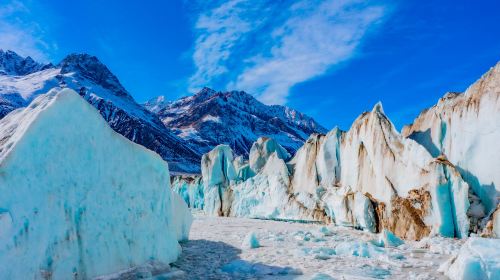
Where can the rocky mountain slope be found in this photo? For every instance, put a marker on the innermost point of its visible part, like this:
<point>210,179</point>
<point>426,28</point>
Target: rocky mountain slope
<point>22,79</point>
<point>235,118</point>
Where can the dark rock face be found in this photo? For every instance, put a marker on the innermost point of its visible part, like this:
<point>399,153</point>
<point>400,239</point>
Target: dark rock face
<point>90,68</point>
<point>235,118</point>
<point>13,64</point>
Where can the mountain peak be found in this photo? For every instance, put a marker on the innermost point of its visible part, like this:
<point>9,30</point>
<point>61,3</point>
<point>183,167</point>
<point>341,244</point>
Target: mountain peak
<point>92,68</point>
<point>12,63</point>
<point>206,91</point>
<point>156,104</point>
<point>378,108</point>
<point>235,118</point>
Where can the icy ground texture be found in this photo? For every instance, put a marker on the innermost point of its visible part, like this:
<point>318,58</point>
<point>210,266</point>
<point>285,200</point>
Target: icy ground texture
<point>79,200</point>
<point>304,251</point>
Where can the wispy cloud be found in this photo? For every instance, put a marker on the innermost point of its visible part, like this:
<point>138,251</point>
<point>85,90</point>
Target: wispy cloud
<point>267,47</point>
<point>20,35</point>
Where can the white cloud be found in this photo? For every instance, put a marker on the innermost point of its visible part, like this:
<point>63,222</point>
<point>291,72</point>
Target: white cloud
<point>271,47</point>
<point>21,36</point>
<point>218,30</point>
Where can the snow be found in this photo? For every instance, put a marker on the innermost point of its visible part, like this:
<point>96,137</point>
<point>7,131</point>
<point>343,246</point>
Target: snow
<point>370,177</point>
<point>342,177</point>
<point>93,80</point>
<point>210,118</point>
<point>86,198</point>
<point>479,258</point>
<point>234,118</point>
<point>327,253</point>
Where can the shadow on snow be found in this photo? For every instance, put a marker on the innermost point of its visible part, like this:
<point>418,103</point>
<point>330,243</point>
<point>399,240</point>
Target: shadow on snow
<point>204,259</point>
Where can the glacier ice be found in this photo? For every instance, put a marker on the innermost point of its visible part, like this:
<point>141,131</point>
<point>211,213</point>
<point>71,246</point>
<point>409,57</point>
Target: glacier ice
<point>372,177</point>
<point>464,127</point>
<point>388,239</point>
<point>262,149</point>
<point>479,258</point>
<point>80,200</point>
<point>189,188</point>
<point>266,195</point>
<point>251,241</point>
<point>218,173</point>
<point>363,212</point>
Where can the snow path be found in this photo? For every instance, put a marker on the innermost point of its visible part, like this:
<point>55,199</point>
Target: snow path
<point>303,251</point>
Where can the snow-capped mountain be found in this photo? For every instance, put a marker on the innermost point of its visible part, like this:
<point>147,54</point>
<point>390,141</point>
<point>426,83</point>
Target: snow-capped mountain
<point>13,64</point>
<point>235,118</point>
<point>23,80</point>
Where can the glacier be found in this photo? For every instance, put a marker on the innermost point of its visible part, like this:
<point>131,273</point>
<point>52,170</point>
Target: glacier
<point>465,128</point>
<point>78,199</point>
<point>371,177</point>
<point>479,258</point>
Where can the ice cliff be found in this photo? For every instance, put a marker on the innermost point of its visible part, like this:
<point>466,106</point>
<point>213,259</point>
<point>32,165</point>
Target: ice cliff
<point>437,177</point>
<point>78,199</point>
<point>466,128</point>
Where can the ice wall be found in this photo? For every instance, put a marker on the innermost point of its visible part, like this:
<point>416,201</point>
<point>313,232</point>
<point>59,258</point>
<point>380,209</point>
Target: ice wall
<point>431,179</point>
<point>190,189</point>
<point>79,200</point>
<point>218,174</point>
<point>465,128</point>
<point>262,149</point>
<point>478,259</point>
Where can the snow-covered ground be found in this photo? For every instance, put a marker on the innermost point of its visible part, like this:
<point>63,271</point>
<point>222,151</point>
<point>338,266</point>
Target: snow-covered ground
<point>222,248</point>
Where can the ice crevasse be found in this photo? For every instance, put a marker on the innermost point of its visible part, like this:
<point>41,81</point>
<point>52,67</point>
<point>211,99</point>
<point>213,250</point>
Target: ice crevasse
<point>78,198</point>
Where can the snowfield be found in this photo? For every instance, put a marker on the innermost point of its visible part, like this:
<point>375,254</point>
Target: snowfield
<point>220,248</point>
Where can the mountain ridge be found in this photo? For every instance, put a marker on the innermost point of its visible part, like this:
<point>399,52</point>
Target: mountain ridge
<point>235,118</point>
<point>22,79</point>
<point>101,88</point>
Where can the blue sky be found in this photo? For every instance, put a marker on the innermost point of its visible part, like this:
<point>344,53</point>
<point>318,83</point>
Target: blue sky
<point>331,59</point>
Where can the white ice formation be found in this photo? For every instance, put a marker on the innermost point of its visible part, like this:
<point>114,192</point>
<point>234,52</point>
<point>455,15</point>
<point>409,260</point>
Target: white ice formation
<point>78,198</point>
<point>438,177</point>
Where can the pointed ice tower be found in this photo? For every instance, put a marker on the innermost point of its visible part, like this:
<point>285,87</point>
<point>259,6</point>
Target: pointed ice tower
<point>413,194</point>
<point>79,200</point>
